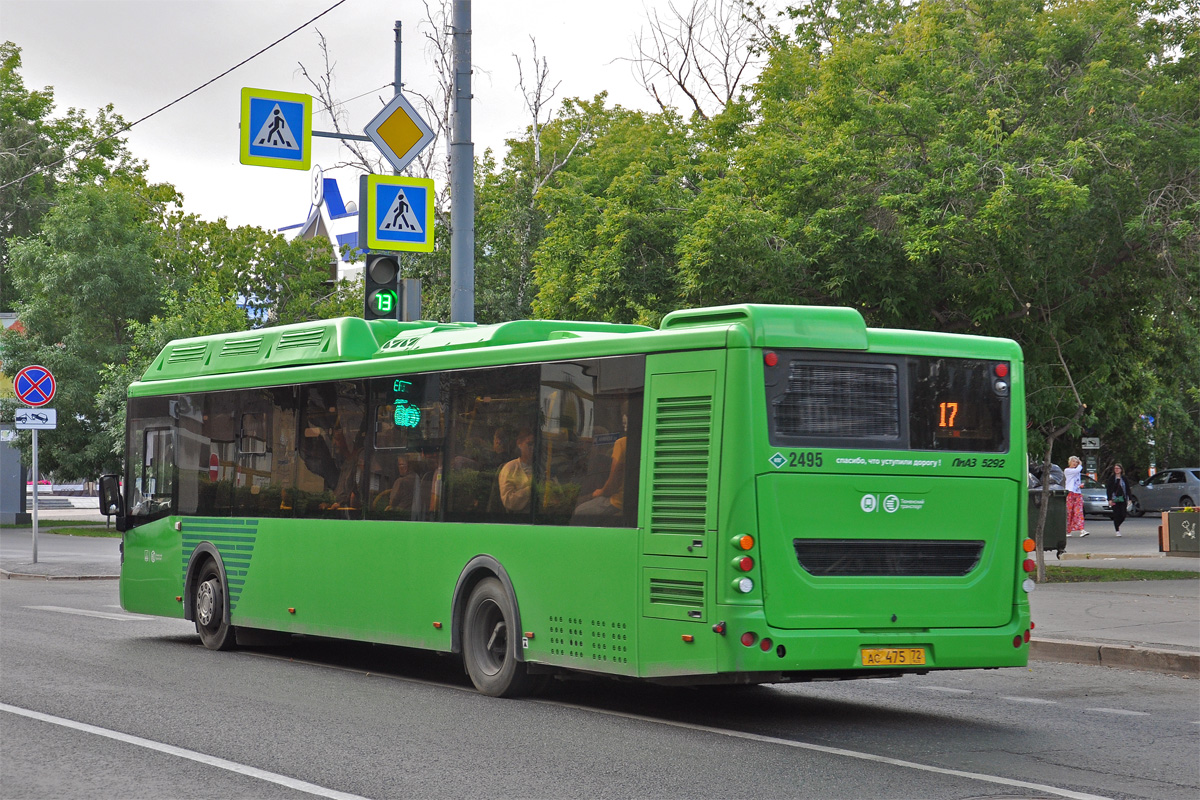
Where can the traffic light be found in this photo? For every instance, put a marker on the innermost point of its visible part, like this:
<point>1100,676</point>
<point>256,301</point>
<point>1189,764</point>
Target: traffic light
<point>383,288</point>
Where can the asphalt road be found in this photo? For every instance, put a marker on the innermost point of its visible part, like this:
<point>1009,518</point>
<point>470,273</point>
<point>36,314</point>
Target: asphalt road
<point>318,718</point>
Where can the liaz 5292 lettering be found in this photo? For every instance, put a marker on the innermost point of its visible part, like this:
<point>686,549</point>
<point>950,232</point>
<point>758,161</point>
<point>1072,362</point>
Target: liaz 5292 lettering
<point>746,494</point>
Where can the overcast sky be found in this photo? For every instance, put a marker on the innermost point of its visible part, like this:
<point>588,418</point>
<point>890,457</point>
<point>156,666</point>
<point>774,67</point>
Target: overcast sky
<point>141,55</point>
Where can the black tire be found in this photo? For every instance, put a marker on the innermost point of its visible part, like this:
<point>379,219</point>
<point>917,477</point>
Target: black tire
<point>1186,501</point>
<point>490,643</point>
<point>211,607</point>
<point>1135,507</point>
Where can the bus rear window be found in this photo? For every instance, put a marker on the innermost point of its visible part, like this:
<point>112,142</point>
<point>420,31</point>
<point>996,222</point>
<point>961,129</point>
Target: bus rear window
<point>887,402</point>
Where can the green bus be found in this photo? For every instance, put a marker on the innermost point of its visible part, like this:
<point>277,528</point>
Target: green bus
<point>748,494</point>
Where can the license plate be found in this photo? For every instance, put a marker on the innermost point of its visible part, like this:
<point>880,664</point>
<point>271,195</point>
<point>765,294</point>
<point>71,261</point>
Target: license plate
<point>893,656</point>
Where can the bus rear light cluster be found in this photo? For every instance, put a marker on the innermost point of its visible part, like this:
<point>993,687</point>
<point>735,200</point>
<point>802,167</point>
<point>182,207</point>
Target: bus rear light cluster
<point>1028,545</point>
<point>745,541</point>
<point>1029,565</point>
<point>765,645</point>
<point>1023,638</point>
<point>743,585</point>
<point>1028,585</point>
<point>745,563</point>
<point>749,638</point>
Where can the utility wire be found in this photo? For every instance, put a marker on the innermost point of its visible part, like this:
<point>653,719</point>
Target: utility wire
<point>89,148</point>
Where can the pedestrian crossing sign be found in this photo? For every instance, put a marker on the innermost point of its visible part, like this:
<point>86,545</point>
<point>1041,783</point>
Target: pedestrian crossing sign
<point>396,213</point>
<point>276,129</point>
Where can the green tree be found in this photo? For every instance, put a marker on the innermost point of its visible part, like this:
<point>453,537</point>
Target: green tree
<point>38,153</point>
<point>79,281</point>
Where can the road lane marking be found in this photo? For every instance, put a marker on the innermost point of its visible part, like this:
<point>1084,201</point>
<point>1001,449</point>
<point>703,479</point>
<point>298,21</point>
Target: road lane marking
<point>192,755</point>
<point>945,689</point>
<point>85,613</point>
<point>1037,700</point>
<point>1119,711</point>
<point>838,751</point>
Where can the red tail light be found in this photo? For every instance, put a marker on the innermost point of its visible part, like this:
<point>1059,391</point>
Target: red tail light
<point>766,645</point>
<point>749,638</point>
<point>1029,564</point>
<point>745,563</point>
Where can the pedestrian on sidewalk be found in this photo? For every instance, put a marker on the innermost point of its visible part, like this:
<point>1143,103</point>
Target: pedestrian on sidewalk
<point>1073,474</point>
<point>1118,495</point>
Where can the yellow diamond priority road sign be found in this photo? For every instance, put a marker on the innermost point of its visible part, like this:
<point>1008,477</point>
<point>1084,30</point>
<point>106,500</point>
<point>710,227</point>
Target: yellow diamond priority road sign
<point>399,132</point>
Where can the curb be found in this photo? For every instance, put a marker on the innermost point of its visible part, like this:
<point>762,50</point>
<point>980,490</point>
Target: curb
<point>27,576</point>
<point>1171,662</point>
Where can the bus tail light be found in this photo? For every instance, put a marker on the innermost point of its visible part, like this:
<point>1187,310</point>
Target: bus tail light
<point>743,585</point>
<point>765,645</point>
<point>1017,640</point>
<point>770,359</point>
<point>745,541</point>
<point>1028,545</point>
<point>745,563</point>
<point>749,638</point>
<point>1029,565</point>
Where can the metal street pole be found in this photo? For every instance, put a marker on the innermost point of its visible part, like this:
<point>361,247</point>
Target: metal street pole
<point>35,494</point>
<point>397,83</point>
<point>462,174</point>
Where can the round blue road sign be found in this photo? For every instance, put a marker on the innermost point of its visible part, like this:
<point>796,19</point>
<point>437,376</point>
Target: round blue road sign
<point>34,386</point>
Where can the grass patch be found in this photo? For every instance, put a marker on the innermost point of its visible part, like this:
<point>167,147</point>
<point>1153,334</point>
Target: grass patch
<point>100,533</point>
<point>1060,574</point>
<point>56,523</point>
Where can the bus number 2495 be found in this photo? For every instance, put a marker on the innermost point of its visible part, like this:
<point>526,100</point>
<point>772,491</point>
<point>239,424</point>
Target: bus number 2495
<point>804,459</point>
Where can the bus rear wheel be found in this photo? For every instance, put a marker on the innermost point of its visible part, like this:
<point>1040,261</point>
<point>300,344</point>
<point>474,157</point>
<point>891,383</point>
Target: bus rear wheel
<point>212,621</point>
<point>490,643</point>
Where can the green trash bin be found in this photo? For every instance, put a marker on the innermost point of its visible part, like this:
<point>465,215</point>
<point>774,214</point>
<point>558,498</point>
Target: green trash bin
<point>1054,537</point>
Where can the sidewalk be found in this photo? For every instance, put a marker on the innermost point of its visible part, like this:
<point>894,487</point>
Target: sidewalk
<point>1146,625</point>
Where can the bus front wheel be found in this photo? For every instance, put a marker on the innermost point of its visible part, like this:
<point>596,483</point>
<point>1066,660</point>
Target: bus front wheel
<point>490,643</point>
<point>212,621</point>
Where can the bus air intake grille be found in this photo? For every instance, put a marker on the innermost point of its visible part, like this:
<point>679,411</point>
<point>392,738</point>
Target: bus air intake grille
<point>241,347</point>
<point>880,557</point>
<point>308,337</point>
<point>682,440</point>
<point>840,400</point>
<point>677,593</point>
<point>182,354</point>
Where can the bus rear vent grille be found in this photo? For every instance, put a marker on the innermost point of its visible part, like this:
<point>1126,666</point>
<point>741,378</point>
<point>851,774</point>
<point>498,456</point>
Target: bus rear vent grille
<point>308,337</point>
<point>842,400</point>
<point>887,557</point>
<point>682,438</point>
<point>677,593</point>
<point>184,353</point>
<point>241,347</point>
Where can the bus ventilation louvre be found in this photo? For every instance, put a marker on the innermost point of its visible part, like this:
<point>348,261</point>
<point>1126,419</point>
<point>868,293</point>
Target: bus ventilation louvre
<point>878,557</point>
<point>683,430</point>
<point>840,400</point>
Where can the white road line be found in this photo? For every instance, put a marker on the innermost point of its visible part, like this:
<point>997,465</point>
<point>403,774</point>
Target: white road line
<point>212,761</point>
<point>837,751</point>
<point>1120,711</point>
<point>1036,700</point>
<point>85,613</point>
<point>945,689</point>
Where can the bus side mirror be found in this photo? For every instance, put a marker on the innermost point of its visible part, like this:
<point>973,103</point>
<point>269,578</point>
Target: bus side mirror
<point>110,496</point>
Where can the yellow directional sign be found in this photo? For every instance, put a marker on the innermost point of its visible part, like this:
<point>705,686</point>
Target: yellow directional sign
<point>399,132</point>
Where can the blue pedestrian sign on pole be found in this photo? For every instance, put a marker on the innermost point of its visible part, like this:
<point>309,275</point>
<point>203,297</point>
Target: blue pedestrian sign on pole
<point>276,129</point>
<point>396,213</point>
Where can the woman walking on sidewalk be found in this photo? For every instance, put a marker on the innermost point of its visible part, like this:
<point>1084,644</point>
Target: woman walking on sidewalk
<point>1118,495</point>
<point>1073,473</point>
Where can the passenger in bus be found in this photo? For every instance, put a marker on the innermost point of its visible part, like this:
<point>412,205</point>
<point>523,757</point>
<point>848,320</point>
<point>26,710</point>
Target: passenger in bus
<point>516,477</point>
<point>609,499</point>
<point>405,492</point>
<point>501,450</point>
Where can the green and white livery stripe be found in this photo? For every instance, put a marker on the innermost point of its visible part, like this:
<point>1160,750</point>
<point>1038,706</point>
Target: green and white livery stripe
<point>234,540</point>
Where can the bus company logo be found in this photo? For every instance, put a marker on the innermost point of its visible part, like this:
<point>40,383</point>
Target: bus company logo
<point>151,556</point>
<point>891,504</point>
<point>869,503</point>
<point>778,460</point>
